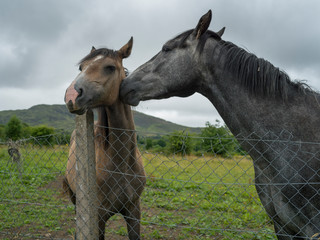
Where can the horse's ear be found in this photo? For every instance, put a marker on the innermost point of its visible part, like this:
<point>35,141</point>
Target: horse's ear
<point>125,51</point>
<point>203,25</point>
<point>220,33</point>
<point>92,49</point>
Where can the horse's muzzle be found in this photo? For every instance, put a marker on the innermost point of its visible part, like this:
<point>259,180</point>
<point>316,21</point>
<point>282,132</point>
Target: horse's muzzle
<point>71,97</point>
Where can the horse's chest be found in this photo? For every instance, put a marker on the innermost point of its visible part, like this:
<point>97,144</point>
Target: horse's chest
<point>117,185</point>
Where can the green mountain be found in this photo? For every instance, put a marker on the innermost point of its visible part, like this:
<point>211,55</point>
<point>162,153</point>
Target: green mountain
<point>58,116</point>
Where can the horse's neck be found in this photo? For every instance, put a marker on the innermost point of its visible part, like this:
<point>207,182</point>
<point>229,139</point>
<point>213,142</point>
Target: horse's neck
<point>120,116</point>
<point>118,137</point>
<point>231,107</point>
<point>246,113</point>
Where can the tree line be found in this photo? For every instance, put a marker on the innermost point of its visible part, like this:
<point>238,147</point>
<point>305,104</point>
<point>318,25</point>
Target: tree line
<point>15,130</point>
<point>213,139</point>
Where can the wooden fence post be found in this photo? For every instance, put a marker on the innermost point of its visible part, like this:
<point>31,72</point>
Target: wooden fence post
<point>86,201</point>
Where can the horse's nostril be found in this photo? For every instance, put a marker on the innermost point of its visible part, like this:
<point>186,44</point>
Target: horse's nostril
<point>80,92</point>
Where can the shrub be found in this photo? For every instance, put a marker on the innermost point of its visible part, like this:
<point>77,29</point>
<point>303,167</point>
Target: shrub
<point>217,139</point>
<point>180,143</point>
<point>43,135</point>
<point>13,129</point>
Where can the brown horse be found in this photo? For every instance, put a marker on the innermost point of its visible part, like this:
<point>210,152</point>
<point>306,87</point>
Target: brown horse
<point>119,169</point>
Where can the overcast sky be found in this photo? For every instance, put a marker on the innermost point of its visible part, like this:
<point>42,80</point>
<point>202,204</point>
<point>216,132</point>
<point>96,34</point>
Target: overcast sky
<point>41,42</point>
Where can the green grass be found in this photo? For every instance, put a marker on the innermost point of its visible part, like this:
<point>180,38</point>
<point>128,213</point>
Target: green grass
<point>185,198</point>
<point>28,202</point>
<point>204,198</point>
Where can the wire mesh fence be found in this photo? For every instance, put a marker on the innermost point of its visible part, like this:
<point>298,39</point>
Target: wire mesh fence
<point>207,192</point>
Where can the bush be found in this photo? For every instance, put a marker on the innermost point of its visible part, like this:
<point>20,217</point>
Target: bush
<point>149,143</point>
<point>2,133</point>
<point>180,143</point>
<point>62,138</point>
<point>43,135</point>
<point>217,139</point>
<point>13,129</point>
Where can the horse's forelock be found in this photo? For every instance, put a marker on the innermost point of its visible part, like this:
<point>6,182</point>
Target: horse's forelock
<point>102,51</point>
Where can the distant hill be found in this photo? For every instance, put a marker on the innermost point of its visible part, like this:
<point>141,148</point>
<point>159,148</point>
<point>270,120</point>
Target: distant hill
<point>58,116</point>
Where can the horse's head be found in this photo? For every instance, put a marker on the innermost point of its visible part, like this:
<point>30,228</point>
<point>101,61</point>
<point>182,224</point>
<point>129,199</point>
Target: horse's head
<point>98,82</point>
<point>174,71</point>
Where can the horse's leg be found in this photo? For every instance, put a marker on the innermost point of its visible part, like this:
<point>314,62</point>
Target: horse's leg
<point>103,218</point>
<point>67,189</point>
<point>132,215</point>
<point>282,234</point>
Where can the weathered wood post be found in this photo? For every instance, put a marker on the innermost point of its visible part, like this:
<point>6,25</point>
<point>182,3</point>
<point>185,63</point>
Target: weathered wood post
<point>86,203</point>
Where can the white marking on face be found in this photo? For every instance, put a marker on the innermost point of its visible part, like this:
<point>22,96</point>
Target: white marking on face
<point>92,61</point>
<point>97,58</point>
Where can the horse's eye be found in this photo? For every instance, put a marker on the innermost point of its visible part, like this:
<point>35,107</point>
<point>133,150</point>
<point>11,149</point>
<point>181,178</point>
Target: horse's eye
<point>166,48</point>
<point>80,68</point>
<point>109,69</point>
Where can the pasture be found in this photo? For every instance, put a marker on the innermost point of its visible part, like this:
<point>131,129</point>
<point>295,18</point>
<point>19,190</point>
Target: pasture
<point>186,197</point>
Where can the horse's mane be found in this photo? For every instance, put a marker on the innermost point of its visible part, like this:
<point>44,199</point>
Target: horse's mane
<point>258,75</point>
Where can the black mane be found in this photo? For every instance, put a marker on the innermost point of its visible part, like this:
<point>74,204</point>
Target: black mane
<point>258,75</point>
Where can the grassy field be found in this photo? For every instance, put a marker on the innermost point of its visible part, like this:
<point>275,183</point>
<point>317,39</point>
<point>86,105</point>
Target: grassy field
<point>185,198</point>
<point>30,199</point>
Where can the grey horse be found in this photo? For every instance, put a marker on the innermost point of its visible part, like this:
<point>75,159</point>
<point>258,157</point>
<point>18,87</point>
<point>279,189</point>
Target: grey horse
<point>275,119</point>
